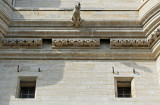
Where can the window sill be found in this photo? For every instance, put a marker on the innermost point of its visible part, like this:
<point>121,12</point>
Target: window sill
<point>24,99</point>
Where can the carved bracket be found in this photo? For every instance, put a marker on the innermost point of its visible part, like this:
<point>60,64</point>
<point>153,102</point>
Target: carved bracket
<point>75,43</point>
<point>21,43</point>
<point>135,43</point>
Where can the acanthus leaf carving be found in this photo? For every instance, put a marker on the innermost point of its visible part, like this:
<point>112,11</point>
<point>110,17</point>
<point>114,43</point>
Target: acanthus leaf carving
<point>21,43</point>
<point>75,43</point>
<point>126,42</point>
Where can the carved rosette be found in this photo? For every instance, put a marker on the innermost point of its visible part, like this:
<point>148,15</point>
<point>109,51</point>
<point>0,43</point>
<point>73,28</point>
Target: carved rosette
<point>75,43</point>
<point>21,43</point>
<point>135,43</point>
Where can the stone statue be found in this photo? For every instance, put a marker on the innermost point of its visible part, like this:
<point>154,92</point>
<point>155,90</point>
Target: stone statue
<point>76,18</point>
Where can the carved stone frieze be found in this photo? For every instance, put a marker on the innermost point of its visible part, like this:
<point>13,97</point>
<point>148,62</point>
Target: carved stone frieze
<point>75,43</point>
<point>129,43</point>
<point>21,43</point>
<point>137,43</point>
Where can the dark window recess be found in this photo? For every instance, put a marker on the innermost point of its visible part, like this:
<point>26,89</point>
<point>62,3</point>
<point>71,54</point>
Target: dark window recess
<point>27,89</point>
<point>124,89</point>
<point>124,92</point>
<point>27,92</point>
<point>47,43</point>
<point>105,41</point>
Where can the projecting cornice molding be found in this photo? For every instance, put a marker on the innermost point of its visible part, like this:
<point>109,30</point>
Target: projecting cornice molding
<point>130,33</point>
<point>75,43</point>
<point>20,43</point>
<point>136,43</point>
<point>147,21</point>
<point>149,10</point>
<point>5,17</point>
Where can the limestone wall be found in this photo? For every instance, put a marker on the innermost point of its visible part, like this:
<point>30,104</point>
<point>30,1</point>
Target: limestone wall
<point>158,67</point>
<point>87,4</point>
<point>71,82</point>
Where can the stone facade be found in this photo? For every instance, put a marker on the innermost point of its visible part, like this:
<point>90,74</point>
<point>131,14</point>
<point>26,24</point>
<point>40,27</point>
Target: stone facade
<point>78,82</point>
<point>136,43</point>
<point>77,51</point>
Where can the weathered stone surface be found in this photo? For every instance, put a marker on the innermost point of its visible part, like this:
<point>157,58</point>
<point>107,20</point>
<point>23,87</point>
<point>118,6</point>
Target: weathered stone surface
<point>18,43</point>
<point>75,43</point>
<point>77,67</point>
<point>77,82</point>
<point>87,4</point>
<point>76,18</point>
<point>136,43</point>
<point>132,29</point>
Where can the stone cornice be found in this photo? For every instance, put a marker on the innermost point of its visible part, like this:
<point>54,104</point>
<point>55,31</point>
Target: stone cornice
<point>73,33</point>
<point>6,9</point>
<point>136,43</point>
<point>20,43</point>
<point>144,19</point>
<point>77,54</point>
<point>149,10</point>
<point>131,29</point>
<point>75,43</point>
<point>5,17</point>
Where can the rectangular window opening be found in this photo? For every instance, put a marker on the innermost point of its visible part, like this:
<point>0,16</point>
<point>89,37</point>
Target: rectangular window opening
<point>27,87</point>
<point>124,87</point>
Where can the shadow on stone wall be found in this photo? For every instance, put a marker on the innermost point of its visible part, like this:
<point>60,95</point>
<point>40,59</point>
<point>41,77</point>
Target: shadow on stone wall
<point>137,66</point>
<point>51,70</point>
<point>51,74</point>
<point>38,3</point>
